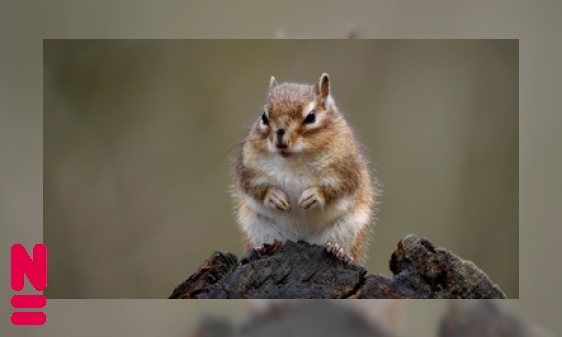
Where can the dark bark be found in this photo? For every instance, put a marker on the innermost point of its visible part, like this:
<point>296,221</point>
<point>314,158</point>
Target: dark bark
<point>302,270</point>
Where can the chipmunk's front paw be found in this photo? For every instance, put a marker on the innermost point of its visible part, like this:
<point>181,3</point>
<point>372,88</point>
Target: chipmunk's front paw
<point>338,251</point>
<point>311,198</point>
<point>278,200</point>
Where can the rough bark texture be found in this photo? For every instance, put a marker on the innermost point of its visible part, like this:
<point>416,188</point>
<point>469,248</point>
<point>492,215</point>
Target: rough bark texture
<point>302,270</point>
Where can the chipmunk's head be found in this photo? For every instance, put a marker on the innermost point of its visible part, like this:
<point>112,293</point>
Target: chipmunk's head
<point>297,118</point>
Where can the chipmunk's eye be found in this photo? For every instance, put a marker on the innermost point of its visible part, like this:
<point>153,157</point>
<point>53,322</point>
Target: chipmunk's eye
<point>264,118</point>
<point>310,118</point>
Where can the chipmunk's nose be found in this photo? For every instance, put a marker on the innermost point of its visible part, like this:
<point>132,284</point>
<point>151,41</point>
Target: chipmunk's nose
<point>281,144</point>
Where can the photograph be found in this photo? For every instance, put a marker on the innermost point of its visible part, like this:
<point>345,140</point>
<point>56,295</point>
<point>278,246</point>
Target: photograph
<point>367,157</point>
<point>313,168</point>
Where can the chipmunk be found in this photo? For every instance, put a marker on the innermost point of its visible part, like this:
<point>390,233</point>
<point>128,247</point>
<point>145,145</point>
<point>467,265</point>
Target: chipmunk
<point>301,174</point>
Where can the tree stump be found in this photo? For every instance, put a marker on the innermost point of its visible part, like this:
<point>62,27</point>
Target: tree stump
<point>303,270</point>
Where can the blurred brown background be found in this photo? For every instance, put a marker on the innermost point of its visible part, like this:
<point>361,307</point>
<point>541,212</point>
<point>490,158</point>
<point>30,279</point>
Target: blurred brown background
<point>139,137</point>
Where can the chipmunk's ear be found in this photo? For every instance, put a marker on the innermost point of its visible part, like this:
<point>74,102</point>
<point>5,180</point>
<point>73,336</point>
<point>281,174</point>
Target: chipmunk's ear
<point>272,82</point>
<point>323,89</point>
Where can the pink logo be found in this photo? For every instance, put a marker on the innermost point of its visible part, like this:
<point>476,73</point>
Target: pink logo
<point>36,271</point>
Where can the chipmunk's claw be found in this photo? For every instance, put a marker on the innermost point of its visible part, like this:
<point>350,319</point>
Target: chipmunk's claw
<point>278,200</point>
<point>310,198</point>
<point>338,251</point>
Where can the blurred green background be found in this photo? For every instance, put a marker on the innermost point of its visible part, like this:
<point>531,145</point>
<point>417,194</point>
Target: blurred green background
<point>139,136</point>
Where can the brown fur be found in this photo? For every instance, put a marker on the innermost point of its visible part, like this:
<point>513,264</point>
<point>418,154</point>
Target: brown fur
<point>357,253</point>
<point>329,144</point>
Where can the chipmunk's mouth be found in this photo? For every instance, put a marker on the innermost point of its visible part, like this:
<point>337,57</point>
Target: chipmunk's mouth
<point>285,154</point>
<point>283,149</point>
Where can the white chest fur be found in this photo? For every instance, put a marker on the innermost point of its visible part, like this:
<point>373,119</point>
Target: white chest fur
<point>293,176</point>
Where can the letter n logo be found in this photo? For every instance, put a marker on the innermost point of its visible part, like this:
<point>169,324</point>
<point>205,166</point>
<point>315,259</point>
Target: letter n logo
<point>36,271</point>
